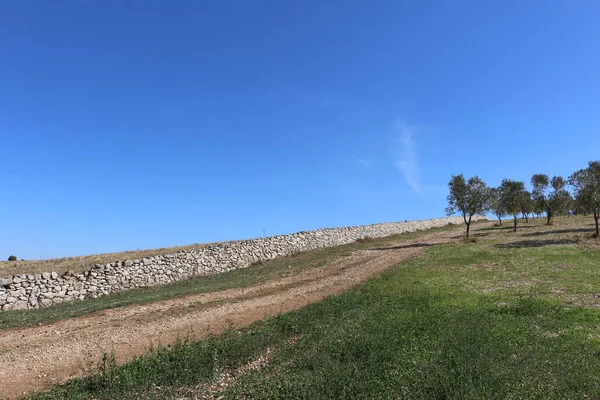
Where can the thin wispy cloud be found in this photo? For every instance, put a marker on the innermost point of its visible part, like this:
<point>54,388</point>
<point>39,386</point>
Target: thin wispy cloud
<point>361,161</point>
<point>407,160</point>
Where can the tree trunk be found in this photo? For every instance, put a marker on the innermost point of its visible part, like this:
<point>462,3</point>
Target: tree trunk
<point>499,221</point>
<point>515,223</point>
<point>596,216</point>
<point>549,222</point>
<point>468,225</point>
<point>525,215</point>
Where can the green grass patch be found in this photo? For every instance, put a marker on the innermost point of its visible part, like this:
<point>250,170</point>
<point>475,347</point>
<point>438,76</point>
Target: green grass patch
<point>470,321</point>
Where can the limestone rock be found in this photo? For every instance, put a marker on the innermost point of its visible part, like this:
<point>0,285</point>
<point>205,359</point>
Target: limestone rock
<point>20,305</point>
<point>33,297</point>
<point>45,302</point>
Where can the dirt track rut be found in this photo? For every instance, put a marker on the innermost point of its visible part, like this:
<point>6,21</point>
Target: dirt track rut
<point>32,358</point>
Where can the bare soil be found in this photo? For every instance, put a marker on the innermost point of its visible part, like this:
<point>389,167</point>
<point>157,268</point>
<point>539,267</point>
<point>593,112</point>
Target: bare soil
<point>33,358</point>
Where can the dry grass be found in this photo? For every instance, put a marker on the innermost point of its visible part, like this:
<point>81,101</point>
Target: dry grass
<point>82,263</point>
<point>575,231</point>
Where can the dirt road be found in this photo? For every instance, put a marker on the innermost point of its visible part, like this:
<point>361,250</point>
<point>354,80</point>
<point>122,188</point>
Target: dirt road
<point>33,358</point>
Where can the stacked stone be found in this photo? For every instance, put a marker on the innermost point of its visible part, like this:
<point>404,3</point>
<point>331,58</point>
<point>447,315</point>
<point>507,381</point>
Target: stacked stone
<point>27,291</point>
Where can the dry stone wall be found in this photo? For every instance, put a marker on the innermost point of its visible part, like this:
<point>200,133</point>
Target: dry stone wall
<point>28,291</point>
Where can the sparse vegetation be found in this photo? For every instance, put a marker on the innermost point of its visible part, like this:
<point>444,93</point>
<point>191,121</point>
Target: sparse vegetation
<point>12,258</point>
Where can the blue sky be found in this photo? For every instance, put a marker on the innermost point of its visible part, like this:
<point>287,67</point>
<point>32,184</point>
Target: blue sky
<point>141,124</point>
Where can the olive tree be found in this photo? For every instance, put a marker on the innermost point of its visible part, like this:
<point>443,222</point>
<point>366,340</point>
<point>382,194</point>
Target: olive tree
<point>495,204</point>
<point>467,197</point>
<point>537,209</point>
<point>586,185</point>
<point>527,205</point>
<point>550,195</point>
<point>513,196</point>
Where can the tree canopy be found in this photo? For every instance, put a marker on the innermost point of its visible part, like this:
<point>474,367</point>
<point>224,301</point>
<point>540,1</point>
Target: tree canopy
<point>580,193</point>
<point>586,185</point>
<point>550,194</point>
<point>469,197</point>
<point>495,204</point>
<point>513,196</point>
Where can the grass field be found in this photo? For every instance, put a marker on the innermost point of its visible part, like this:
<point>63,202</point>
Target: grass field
<point>511,316</point>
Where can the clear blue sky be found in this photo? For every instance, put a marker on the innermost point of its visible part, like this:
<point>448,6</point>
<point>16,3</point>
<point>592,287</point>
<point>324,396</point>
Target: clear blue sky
<point>142,124</point>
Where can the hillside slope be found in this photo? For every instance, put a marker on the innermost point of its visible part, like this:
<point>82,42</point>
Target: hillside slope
<point>37,356</point>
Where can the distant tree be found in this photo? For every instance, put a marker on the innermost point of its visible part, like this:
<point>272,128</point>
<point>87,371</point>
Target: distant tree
<point>560,198</point>
<point>527,205</point>
<point>12,258</point>
<point>495,204</point>
<point>536,207</point>
<point>579,207</point>
<point>467,197</point>
<point>513,195</point>
<point>586,184</point>
<point>550,195</point>
<point>569,204</point>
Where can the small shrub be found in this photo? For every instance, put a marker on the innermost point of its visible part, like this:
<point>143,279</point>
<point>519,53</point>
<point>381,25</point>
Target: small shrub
<point>12,258</point>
